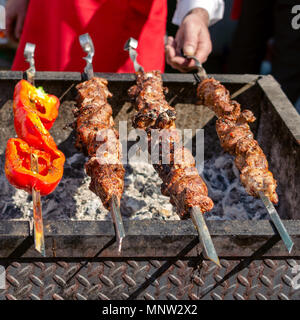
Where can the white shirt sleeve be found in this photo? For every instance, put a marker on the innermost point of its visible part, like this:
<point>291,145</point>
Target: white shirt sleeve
<point>215,9</point>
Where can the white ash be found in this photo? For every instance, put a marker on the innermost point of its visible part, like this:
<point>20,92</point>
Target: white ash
<point>231,200</point>
<point>142,198</point>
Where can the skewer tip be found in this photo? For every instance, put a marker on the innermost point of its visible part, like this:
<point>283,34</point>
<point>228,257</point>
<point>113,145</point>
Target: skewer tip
<point>217,262</point>
<point>39,242</point>
<point>120,240</point>
<point>290,248</point>
<point>204,235</point>
<point>288,242</point>
<point>43,252</point>
<point>117,219</point>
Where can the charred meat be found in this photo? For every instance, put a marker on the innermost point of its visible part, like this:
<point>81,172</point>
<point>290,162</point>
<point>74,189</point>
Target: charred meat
<point>98,139</point>
<point>236,138</point>
<point>181,181</point>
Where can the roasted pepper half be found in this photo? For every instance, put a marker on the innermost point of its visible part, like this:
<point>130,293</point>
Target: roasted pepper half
<point>18,167</point>
<point>35,99</point>
<point>34,113</point>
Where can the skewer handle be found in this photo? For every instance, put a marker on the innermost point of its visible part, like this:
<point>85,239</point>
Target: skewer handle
<point>201,73</point>
<point>29,57</point>
<point>87,45</point>
<point>131,46</point>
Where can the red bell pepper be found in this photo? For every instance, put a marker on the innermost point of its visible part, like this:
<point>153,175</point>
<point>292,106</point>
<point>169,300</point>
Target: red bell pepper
<point>28,118</point>
<point>34,113</point>
<point>35,99</point>
<point>18,167</point>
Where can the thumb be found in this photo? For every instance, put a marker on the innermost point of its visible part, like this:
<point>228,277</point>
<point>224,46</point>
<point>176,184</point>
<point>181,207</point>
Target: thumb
<point>190,39</point>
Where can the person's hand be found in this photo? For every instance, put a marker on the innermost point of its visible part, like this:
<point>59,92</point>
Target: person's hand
<point>192,38</point>
<point>15,17</point>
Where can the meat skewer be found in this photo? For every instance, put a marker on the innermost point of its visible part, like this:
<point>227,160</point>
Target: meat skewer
<point>237,139</point>
<point>94,128</point>
<point>181,181</point>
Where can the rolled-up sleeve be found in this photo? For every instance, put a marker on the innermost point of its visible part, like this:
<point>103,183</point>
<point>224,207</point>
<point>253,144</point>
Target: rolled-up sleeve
<point>215,9</point>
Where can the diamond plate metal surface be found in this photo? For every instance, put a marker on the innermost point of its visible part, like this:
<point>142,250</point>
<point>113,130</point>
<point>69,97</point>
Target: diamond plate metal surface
<point>150,280</point>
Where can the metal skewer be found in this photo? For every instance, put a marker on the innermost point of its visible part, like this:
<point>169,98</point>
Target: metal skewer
<point>29,57</point>
<point>204,235</point>
<point>131,46</point>
<point>87,45</point>
<point>244,88</point>
<point>39,240</point>
<point>266,201</point>
<point>277,222</point>
<point>201,75</point>
<point>196,214</point>
<point>117,219</point>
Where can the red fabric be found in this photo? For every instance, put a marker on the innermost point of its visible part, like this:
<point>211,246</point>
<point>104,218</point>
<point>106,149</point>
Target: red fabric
<point>54,26</point>
<point>236,9</point>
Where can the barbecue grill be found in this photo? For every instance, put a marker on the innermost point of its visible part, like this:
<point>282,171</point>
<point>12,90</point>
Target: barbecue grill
<point>161,259</point>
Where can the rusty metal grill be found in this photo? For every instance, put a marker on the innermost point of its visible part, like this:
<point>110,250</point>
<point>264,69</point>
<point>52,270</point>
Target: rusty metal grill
<point>163,259</point>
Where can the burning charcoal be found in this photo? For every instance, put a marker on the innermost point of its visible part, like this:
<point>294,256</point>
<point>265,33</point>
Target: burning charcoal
<point>92,207</point>
<point>49,206</point>
<point>70,172</point>
<point>139,183</point>
<point>221,181</point>
<point>128,170</point>
<point>132,205</point>
<point>11,211</point>
<point>236,212</point>
<point>73,198</point>
<point>217,195</point>
<point>151,190</point>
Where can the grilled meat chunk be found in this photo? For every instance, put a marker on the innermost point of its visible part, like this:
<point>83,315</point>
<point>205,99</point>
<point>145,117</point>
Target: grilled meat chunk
<point>181,180</point>
<point>153,109</point>
<point>237,138</point>
<point>97,138</point>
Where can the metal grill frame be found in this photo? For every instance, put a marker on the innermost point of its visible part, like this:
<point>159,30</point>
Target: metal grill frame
<point>159,260</point>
